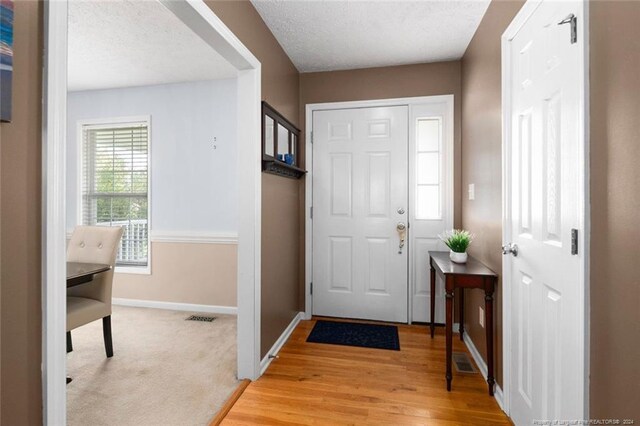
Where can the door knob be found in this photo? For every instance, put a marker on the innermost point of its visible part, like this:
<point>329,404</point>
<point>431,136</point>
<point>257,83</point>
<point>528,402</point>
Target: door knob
<point>402,233</point>
<point>510,248</point>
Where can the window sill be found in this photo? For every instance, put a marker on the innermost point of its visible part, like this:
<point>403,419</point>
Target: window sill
<point>136,270</point>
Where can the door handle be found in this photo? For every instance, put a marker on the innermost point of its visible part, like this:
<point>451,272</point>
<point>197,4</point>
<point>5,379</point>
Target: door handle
<point>402,233</point>
<point>510,248</point>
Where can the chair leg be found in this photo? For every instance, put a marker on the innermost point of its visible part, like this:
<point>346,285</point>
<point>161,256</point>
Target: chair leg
<point>69,343</point>
<point>106,332</point>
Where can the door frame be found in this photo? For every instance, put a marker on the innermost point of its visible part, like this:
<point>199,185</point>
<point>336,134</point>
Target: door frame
<point>528,9</point>
<point>449,144</point>
<point>203,21</point>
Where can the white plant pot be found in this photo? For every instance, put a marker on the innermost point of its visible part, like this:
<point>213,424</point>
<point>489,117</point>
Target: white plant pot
<point>458,257</point>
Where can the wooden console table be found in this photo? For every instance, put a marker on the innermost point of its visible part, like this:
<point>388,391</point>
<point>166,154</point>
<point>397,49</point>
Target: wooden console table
<point>472,274</point>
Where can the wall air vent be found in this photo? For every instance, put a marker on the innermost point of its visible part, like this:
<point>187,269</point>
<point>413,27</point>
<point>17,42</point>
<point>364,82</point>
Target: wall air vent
<point>463,363</point>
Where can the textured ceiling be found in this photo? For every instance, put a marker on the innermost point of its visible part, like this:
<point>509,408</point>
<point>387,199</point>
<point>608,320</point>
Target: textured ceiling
<point>126,43</point>
<point>348,34</point>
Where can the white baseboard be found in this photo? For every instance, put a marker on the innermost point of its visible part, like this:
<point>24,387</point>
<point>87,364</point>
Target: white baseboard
<point>499,396</point>
<point>482,366</point>
<point>190,307</point>
<point>280,342</point>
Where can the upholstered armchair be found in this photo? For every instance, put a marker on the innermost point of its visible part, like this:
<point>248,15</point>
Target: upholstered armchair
<point>92,301</point>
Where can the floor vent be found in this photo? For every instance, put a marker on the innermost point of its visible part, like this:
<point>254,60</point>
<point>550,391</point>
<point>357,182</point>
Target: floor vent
<point>463,363</point>
<point>201,318</point>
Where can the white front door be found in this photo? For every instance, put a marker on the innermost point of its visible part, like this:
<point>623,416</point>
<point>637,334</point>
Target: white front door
<point>360,198</point>
<point>546,303</point>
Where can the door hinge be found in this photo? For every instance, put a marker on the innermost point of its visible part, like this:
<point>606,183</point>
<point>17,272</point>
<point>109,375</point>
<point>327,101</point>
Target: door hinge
<point>312,136</point>
<point>311,288</point>
<point>574,241</point>
<point>311,212</point>
<point>573,21</point>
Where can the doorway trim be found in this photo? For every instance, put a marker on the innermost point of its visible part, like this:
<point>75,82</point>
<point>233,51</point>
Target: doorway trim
<point>203,21</point>
<point>527,10</point>
<point>449,142</point>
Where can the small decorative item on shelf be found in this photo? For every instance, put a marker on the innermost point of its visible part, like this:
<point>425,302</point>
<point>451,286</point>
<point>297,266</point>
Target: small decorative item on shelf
<point>458,240</point>
<point>288,158</point>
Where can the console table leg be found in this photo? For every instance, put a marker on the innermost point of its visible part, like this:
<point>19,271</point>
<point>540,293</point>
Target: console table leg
<point>488,315</point>
<point>449,332</point>
<point>461,329</point>
<point>433,299</point>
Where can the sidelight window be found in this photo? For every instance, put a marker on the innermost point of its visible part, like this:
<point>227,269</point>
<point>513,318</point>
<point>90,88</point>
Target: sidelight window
<point>429,175</point>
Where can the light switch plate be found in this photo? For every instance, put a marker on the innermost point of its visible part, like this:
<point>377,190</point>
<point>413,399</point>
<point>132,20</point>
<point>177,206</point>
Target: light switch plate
<point>472,191</point>
<point>481,318</point>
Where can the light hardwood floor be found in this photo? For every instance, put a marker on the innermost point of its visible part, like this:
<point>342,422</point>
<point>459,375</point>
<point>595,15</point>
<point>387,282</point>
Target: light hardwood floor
<point>319,384</point>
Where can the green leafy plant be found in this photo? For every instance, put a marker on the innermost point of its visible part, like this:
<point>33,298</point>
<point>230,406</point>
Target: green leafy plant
<point>458,240</point>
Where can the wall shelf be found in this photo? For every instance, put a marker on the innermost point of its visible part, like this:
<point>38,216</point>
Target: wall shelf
<point>279,168</point>
<point>280,140</point>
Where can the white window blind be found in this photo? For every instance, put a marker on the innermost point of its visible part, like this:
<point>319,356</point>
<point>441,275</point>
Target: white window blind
<point>115,185</point>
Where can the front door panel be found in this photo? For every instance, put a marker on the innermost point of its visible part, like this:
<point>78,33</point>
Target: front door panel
<point>360,195</point>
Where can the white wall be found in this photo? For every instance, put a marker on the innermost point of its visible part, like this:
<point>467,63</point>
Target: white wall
<point>193,185</point>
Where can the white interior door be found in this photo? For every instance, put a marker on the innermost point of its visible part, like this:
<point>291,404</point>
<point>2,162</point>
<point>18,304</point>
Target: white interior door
<point>360,195</point>
<point>546,311</point>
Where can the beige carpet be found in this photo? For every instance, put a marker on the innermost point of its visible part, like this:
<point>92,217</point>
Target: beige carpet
<point>165,370</point>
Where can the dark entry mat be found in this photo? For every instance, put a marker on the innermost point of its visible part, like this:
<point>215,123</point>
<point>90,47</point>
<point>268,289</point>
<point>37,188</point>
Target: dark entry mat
<point>353,334</point>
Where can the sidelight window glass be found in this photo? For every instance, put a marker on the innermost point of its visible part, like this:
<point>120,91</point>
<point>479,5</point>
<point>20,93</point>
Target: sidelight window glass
<point>428,170</point>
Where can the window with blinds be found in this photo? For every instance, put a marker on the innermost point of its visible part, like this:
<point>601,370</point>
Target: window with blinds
<point>115,185</point>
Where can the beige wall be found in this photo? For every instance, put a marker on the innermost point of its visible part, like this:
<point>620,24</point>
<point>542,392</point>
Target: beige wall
<point>281,227</point>
<point>20,226</point>
<point>196,273</point>
<point>482,161</point>
<point>615,201</point>
<point>280,253</point>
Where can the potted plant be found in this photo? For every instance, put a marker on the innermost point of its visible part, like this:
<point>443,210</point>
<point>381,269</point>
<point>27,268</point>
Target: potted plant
<point>458,241</point>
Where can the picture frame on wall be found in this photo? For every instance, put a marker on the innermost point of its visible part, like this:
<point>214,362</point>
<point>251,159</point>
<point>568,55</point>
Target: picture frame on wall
<point>6,58</point>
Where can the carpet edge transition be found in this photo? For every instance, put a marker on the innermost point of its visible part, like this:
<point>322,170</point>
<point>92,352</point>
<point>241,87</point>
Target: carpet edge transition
<point>230,402</point>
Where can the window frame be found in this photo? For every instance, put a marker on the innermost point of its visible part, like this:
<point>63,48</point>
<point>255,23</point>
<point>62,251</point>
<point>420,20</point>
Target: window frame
<point>110,123</point>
